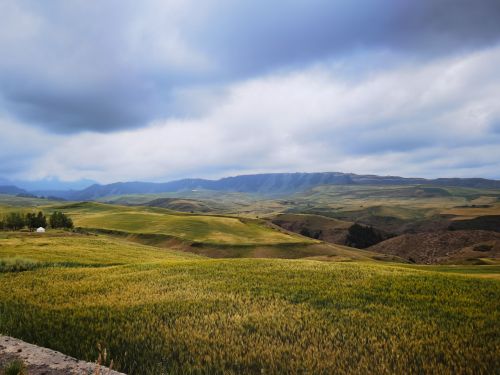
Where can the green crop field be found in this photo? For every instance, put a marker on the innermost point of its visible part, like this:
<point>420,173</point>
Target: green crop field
<point>200,228</point>
<point>58,247</point>
<point>159,311</point>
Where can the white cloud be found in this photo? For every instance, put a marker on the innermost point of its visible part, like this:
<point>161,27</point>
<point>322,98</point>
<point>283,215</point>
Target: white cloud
<point>432,119</point>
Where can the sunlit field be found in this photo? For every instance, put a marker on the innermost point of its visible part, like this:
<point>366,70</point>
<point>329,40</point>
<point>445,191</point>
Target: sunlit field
<point>201,228</point>
<point>159,311</point>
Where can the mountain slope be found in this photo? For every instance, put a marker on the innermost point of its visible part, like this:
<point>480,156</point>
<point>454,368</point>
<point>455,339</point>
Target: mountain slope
<point>11,190</point>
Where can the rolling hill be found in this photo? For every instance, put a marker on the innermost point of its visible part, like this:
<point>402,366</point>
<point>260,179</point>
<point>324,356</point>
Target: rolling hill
<point>214,236</point>
<point>184,226</point>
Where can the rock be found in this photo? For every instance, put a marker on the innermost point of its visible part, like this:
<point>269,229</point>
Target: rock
<point>43,361</point>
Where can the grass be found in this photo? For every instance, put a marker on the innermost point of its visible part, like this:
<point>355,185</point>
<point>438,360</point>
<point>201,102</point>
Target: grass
<point>207,235</point>
<point>200,228</point>
<point>11,200</point>
<point>15,367</point>
<point>159,311</point>
<point>490,270</point>
<point>68,248</point>
<point>16,264</point>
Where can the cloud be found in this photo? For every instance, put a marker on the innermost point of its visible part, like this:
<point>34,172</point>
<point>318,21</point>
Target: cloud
<point>433,119</point>
<point>104,66</point>
<point>93,66</point>
<point>260,34</point>
<point>21,145</point>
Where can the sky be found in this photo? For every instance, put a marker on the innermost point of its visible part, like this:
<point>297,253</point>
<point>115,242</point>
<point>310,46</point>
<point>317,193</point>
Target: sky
<point>156,90</point>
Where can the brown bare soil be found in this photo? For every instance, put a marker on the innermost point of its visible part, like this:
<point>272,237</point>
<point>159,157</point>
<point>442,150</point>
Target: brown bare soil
<point>460,246</point>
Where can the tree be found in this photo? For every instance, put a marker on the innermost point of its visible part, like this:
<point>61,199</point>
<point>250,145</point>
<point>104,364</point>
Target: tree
<point>41,220</point>
<point>60,220</point>
<point>14,221</point>
<point>362,236</point>
<point>31,221</point>
<point>35,221</point>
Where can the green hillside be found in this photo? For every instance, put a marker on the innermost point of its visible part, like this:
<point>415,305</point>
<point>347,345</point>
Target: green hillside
<point>200,228</point>
<point>214,236</point>
<point>14,201</point>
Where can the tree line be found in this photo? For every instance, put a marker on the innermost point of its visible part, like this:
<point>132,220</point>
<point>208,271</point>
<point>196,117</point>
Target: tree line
<point>31,220</point>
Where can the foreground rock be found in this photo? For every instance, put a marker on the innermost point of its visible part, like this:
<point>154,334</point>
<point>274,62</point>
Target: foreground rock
<point>43,361</point>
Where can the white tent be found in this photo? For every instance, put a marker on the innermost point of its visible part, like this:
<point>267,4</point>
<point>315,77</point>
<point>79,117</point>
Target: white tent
<point>40,230</point>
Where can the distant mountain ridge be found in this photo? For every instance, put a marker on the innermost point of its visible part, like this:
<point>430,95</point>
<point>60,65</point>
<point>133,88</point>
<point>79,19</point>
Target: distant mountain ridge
<point>265,184</point>
<point>11,190</point>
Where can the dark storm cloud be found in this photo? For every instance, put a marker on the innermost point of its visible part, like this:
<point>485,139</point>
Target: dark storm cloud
<point>261,35</point>
<point>63,109</point>
<point>74,66</point>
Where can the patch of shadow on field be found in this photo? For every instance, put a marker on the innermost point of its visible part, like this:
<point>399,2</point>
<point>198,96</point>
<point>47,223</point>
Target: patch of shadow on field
<point>13,265</point>
<point>488,222</point>
<point>151,239</point>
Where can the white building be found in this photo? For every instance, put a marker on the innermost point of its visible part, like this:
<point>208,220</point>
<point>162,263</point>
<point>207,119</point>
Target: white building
<point>40,230</point>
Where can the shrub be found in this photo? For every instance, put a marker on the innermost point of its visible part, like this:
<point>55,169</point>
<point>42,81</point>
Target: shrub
<point>60,220</point>
<point>15,367</point>
<point>483,247</point>
<point>14,221</point>
<point>34,221</point>
<point>361,236</point>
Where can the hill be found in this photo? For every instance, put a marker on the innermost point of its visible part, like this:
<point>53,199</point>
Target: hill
<point>209,235</point>
<point>460,246</point>
<point>331,230</point>
<point>13,201</point>
<point>186,205</point>
<point>11,190</point>
<point>184,226</point>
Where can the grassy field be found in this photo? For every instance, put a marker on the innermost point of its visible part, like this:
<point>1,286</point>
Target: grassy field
<point>214,236</point>
<point>58,247</point>
<point>160,311</point>
<point>14,201</point>
<point>200,228</point>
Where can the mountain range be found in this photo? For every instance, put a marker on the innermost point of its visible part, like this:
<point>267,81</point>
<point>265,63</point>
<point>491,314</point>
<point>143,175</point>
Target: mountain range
<point>264,184</point>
